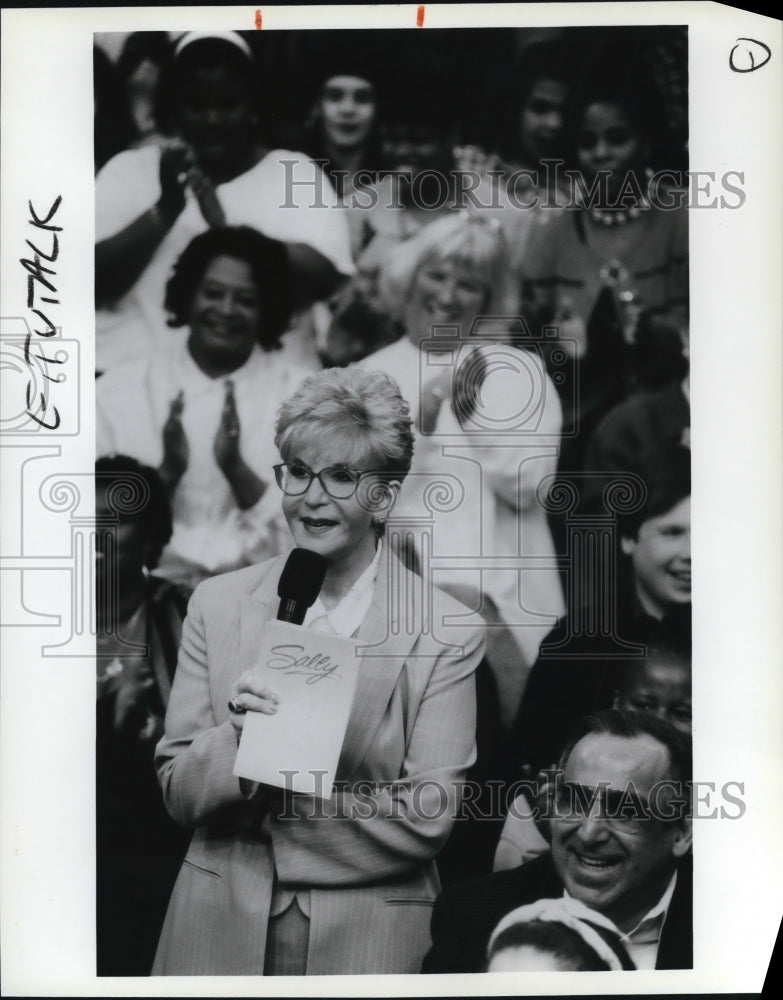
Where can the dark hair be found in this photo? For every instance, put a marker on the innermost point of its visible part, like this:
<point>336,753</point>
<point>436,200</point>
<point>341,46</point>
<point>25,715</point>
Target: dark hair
<point>543,60</point>
<point>113,125</point>
<point>146,501</point>
<point>205,53</point>
<point>268,262</point>
<point>612,75</point>
<point>352,59</point>
<point>562,942</point>
<point>667,475</point>
<point>673,648</point>
<point>141,46</point>
<point>629,725</point>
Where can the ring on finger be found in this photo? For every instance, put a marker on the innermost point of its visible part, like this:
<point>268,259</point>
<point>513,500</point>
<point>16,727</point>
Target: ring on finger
<point>235,708</point>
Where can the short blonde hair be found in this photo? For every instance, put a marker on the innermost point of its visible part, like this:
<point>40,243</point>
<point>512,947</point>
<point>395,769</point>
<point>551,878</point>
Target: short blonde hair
<point>362,413</point>
<point>473,240</point>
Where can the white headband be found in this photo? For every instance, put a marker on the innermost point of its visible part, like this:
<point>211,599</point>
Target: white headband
<point>570,913</point>
<point>224,36</point>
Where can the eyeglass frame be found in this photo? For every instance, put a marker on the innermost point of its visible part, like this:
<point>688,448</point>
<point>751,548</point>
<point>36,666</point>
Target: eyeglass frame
<point>278,470</point>
<point>612,802</point>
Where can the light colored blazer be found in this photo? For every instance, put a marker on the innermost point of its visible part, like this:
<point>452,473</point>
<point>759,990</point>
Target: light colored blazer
<point>372,880</point>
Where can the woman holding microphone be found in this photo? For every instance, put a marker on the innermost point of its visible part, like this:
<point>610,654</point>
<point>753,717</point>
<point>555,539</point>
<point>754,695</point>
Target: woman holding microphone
<point>344,885</point>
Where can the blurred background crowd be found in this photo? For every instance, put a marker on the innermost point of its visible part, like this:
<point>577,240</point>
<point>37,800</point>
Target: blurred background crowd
<point>272,203</point>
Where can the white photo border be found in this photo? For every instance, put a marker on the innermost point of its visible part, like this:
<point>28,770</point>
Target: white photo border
<point>47,703</point>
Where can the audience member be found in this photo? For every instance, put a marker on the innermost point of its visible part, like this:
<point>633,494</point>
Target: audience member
<point>203,414</point>
<point>113,127</point>
<point>143,58</point>
<point>556,935</point>
<point>593,269</point>
<point>534,107</point>
<point>544,85</point>
<point>415,190</point>
<point>417,149</point>
<point>513,186</point>
<point>152,201</point>
<point>659,684</point>
<point>488,422</point>
<point>652,589</point>
<point>646,422</point>
<point>632,865</point>
<point>139,618</point>
<point>342,128</point>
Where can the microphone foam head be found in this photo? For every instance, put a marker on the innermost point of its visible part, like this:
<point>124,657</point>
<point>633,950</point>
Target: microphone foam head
<point>302,576</point>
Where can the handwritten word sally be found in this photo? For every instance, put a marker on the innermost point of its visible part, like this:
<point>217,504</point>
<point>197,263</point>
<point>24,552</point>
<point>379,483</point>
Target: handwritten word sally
<point>315,667</point>
<point>40,280</point>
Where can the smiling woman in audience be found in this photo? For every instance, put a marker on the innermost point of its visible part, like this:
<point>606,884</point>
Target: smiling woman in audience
<point>215,169</point>
<point>203,413</point>
<point>488,423</point>
<point>342,124</point>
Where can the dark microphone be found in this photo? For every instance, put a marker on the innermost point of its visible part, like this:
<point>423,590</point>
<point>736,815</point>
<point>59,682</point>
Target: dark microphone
<point>300,583</point>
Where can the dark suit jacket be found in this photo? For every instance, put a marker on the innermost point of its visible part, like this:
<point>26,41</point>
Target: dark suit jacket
<point>139,848</point>
<point>465,916</point>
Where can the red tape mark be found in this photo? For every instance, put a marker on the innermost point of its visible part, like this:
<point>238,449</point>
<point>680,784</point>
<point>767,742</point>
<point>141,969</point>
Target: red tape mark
<point>420,16</point>
<point>258,20</point>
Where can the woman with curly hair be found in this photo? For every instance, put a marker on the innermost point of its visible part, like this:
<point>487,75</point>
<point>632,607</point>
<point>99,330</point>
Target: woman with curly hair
<point>203,413</point>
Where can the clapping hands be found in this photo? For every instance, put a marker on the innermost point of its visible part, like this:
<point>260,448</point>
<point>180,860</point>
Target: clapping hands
<point>178,171</point>
<point>176,450</point>
<point>246,486</point>
<point>226,444</point>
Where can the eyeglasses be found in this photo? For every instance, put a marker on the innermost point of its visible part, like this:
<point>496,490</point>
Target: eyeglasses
<point>623,809</point>
<point>338,481</point>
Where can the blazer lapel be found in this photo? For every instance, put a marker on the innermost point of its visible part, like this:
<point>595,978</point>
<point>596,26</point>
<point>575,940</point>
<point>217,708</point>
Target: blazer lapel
<point>385,638</point>
<point>256,609</point>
